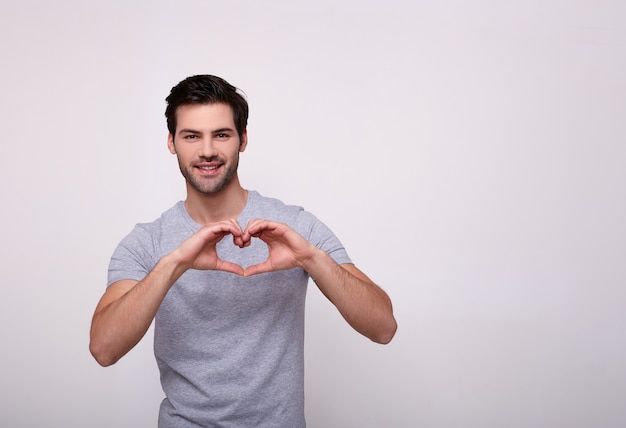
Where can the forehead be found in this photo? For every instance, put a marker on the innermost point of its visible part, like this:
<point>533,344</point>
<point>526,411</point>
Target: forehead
<point>205,116</point>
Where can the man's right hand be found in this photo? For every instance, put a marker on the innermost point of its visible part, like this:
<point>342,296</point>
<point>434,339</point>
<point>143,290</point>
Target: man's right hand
<point>199,250</point>
<point>128,307</point>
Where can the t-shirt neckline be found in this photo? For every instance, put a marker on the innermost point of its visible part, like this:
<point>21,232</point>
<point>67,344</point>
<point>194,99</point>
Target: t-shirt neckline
<point>252,194</point>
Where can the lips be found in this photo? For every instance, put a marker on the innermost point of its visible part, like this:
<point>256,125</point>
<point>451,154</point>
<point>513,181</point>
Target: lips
<point>208,167</point>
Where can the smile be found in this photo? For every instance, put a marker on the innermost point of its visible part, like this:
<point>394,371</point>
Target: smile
<point>209,169</point>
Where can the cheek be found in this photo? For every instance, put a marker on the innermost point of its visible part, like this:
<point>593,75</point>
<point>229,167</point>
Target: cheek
<point>232,151</point>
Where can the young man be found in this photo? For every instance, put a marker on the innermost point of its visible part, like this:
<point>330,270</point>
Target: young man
<point>229,313</point>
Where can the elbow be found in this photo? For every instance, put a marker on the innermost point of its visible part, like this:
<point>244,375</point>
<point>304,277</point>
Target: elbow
<point>101,354</point>
<point>103,359</point>
<point>386,334</point>
<point>387,326</point>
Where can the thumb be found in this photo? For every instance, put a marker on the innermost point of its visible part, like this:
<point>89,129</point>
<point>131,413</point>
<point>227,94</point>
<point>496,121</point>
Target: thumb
<point>258,268</point>
<point>229,267</point>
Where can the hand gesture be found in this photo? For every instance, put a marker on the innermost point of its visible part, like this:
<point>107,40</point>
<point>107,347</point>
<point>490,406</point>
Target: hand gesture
<point>287,249</point>
<point>199,250</point>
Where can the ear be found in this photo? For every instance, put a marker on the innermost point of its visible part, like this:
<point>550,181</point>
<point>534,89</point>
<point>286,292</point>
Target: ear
<point>170,144</point>
<point>243,141</point>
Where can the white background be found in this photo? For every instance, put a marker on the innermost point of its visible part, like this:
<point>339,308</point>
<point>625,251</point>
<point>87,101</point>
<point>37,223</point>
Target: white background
<point>469,154</point>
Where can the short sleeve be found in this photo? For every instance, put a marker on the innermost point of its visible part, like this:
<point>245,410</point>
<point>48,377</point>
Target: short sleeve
<point>320,235</point>
<point>133,258</point>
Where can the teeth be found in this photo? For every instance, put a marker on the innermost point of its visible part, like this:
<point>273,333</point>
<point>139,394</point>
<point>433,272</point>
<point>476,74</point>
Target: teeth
<point>208,168</point>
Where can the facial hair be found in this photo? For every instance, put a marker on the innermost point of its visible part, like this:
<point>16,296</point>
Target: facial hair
<point>213,185</point>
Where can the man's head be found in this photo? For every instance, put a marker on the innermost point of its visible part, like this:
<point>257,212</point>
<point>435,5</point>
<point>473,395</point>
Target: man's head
<point>206,89</point>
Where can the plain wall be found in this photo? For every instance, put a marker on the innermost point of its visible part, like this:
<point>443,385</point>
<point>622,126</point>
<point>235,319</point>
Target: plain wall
<point>469,154</point>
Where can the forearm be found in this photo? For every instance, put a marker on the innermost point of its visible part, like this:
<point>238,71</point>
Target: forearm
<point>364,305</point>
<point>123,317</point>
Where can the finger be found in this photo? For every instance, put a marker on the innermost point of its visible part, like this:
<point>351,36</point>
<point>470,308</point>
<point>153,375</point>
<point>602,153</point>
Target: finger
<point>232,226</point>
<point>258,268</point>
<point>238,241</point>
<point>246,232</point>
<point>217,231</point>
<point>229,267</point>
<point>258,226</point>
<point>236,225</point>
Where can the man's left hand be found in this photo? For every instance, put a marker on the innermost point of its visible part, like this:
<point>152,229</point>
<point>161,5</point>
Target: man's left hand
<point>287,249</point>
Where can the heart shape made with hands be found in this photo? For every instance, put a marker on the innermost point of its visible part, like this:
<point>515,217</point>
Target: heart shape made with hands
<point>286,248</point>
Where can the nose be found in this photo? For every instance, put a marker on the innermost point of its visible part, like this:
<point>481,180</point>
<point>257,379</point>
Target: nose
<point>207,148</point>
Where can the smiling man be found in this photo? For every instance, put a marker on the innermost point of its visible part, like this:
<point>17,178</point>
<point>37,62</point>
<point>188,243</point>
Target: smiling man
<point>224,275</point>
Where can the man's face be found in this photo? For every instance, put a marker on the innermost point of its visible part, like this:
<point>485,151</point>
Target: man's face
<point>207,146</point>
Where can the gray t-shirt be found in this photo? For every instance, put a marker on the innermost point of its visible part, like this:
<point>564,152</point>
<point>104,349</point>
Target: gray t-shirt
<point>229,349</point>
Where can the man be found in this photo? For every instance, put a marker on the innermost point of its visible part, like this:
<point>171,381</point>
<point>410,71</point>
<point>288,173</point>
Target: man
<point>229,313</point>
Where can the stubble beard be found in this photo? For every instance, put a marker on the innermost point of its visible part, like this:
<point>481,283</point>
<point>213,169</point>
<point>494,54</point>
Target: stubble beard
<point>210,186</point>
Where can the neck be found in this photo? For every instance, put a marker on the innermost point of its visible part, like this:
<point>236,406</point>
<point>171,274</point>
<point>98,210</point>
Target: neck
<point>212,208</point>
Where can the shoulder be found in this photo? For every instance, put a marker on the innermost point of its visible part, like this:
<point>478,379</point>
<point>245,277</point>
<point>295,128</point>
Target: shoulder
<point>301,220</point>
<point>148,233</point>
<point>273,208</point>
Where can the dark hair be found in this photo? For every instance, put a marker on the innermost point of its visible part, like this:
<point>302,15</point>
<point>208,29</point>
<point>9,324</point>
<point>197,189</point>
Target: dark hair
<point>206,89</point>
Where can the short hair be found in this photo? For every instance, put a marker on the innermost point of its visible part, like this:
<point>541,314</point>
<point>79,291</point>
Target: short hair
<point>206,89</point>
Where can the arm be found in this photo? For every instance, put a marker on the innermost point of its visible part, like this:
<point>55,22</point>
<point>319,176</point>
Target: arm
<point>128,307</point>
<point>364,305</point>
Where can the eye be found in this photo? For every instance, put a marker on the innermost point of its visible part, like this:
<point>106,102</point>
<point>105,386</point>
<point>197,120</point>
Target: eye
<point>222,136</point>
<point>190,137</point>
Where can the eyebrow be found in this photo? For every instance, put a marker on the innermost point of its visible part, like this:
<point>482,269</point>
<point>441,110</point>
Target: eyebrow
<point>195,131</point>
<point>220,130</point>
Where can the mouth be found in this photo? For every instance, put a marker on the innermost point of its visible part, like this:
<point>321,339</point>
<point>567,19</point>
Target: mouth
<point>208,168</point>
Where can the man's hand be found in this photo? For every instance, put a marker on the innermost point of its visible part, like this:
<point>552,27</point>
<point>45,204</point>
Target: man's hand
<point>128,307</point>
<point>287,249</point>
<point>199,251</point>
<point>364,305</point>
